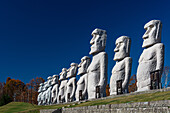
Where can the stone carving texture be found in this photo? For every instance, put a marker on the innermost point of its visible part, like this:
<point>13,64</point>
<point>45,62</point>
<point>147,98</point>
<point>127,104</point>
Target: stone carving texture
<point>82,82</point>
<point>152,57</point>
<point>48,92</point>
<point>63,85</point>
<point>55,89</point>
<point>44,93</point>
<point>71,84</point>
<point>122,68</point>
<point>40,91</point>
<point>97,70</point>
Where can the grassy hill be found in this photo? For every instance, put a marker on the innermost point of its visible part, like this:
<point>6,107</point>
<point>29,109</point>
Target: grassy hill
<point>15,107</point>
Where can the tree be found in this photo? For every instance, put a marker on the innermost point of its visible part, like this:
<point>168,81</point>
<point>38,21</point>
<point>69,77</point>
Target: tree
<point>33,89</point>
<point>5,99</point>
<point>107,90</point>
<point>1,89</point>
<point>14,88</point>
<point>132,84</point>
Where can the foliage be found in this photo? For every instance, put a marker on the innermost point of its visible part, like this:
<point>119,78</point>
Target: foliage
<point>132,84</point>
<point>107,90</point>
<point>5,99</point>
<point>18,91</point>
<point>33,86</point>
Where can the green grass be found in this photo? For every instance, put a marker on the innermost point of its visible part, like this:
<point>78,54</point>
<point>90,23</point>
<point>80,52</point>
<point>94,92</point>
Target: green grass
<point>129,99</point>
<point>15,107</point>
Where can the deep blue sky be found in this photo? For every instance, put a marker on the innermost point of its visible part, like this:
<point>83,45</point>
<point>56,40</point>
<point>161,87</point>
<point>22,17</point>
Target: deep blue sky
<point>40,37</point>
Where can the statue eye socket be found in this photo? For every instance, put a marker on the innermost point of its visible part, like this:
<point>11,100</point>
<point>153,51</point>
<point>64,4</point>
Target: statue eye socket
<point>151,26</point>
<point>119,44</point>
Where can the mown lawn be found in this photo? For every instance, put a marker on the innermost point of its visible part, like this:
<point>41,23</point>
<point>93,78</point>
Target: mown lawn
<point>15,107</point>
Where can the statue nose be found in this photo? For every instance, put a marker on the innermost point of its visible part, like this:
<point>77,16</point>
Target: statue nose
<point>116,49</point>
<point>145,36</point>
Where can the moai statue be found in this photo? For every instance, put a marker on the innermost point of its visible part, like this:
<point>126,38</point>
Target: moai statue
<point>81,91</point>
<point>54,91</point>
<point>122,70</point>
<point>71,84</point>
<point>48,92</point>
<point>152,57</point>
<point>40,91</point>
<point>97,70</point>
<point>63,86</point>
<point>44,93</point>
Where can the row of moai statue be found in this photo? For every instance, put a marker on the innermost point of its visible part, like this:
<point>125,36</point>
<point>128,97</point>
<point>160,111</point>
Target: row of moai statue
<point>93,74</point>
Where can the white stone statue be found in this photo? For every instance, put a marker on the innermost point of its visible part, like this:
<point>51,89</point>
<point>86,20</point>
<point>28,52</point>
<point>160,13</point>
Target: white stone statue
<point>82,82</point>
<point>40,91</point>
<point>48,92</point>
<point>152,57</point>
<point>122,68</point>
<point>55,89</point>
<point>97,70</point>
<point>71,84</point>
<point>63,86</point>
<point>44,99</point>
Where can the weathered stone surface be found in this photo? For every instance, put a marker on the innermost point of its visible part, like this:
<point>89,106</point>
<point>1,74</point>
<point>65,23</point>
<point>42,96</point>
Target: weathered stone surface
<point>152,57</point>
<point>43,97</point>
<point>122,68</point>
<point>48,92</point>
<point>63,85</point>
<point>138,107</point>
<point>51,111</point>
<point>55,89</point>
<point>71,84</point>
<point>97,71</point>
<point>82,82</point>
<point>40,91</point>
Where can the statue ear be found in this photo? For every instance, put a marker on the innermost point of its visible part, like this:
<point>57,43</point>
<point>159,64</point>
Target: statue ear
<point>158,33</point>
<point>128,42</point>
<point>104,40</point>
<point>76,67</point>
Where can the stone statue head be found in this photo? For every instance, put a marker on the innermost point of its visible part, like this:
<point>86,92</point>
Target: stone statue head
<point>55,79</point>
<point>45,86</point>
<point>84,64</point>
<point>153,33</point>
<point>98,42</point>
<point>72,71</point>
<point>63,74</point>
<point>122,48</point>
<point>40,89</point>
<point>49,81</point>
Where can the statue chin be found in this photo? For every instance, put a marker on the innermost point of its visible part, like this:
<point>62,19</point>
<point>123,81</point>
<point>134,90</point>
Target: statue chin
<point>119,57</point>
<point>148,42</point>
<point>95,50</point>
<point>80,72</point>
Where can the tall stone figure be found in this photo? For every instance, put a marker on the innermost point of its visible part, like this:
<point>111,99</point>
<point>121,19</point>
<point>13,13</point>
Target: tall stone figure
<point>82,82</point>
<point>40,91</point>
<point>48,92</point>
<point>152,57</point>
<point>97,70</point>
<point>63,86</point>
<point>122,69</point>
<point>54,91</point>
<point>71,84</point>
<point>44,93</point>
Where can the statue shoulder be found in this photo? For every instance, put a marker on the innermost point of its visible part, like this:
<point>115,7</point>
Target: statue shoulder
<point>103,53</point>
<point>128,59</point>
<point>159,45</point>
